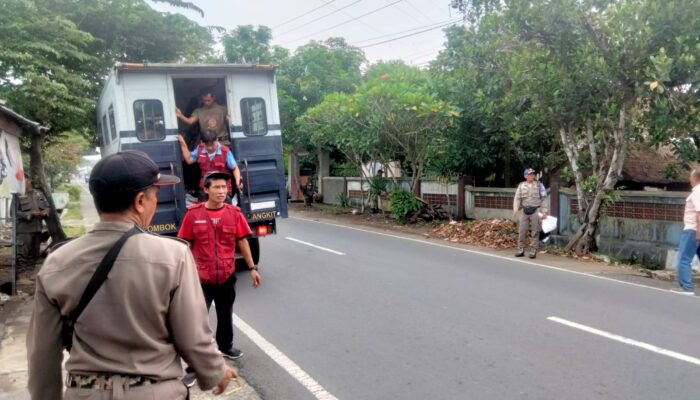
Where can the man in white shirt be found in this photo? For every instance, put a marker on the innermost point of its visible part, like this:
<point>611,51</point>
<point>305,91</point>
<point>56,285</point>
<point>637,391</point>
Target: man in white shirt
<point>688,246</point>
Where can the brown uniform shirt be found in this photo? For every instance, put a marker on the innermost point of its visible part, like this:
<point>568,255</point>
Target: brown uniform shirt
<point>147,314</point>
<point>528,195</point>
<point>33,200</point>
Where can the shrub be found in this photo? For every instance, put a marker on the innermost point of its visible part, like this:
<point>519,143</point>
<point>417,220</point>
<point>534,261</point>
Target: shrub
<point>402,204</point>
<point>342,200</point>
<point>73,192</point>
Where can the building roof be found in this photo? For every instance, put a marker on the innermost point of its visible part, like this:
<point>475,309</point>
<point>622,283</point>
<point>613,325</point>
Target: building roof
<point>646,165</point>
<point>19,118</point>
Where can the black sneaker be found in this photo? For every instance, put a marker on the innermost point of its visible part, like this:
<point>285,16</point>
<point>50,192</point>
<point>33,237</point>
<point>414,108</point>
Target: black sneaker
<point>232,353</point>
<point>189,379</point>
<point>520,253</point>
<point>533,253</point>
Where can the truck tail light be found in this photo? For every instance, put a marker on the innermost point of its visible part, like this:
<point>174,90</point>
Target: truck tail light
<point>262,230</point>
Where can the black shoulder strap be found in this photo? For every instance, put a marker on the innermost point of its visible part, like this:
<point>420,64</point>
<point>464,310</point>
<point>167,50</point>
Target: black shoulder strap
<point>101,273</point>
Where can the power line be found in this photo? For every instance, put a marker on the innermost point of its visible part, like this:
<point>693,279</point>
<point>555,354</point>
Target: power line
<point>406,14</point>
<point>321,17</point>
<point>303,14</point>
<point>408,35</point>
<point>410,4</point>
<point>424,55</point>
<point>405,31</point>
<point>346,22</point>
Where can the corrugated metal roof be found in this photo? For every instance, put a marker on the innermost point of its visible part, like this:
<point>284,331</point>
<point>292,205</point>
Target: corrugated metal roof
<point>20,119</point>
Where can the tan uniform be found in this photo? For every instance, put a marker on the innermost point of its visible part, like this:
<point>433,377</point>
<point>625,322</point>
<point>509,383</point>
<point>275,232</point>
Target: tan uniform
<point>528,195</point>
<point>146,315</point>
<point>29,227</point>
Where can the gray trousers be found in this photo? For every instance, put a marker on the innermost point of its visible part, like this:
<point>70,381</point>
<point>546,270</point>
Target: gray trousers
<point>533,224</point>
<point>172,389</point>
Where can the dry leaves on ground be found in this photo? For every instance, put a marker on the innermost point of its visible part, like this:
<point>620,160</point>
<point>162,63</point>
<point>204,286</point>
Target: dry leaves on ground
<point>494,233</point>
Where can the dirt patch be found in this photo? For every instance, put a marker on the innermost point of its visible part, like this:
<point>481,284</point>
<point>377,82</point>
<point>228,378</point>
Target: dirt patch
<point>493,233</point>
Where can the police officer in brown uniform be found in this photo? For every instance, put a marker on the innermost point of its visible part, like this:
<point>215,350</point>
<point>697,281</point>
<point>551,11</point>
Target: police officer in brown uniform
<point>529,196</point>
<point>150,312</point>
<point>31,211</point>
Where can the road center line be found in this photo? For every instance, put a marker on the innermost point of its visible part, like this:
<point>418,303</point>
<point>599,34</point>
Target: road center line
<point>622,339</point>
<point>315,246</point>
<point>283,361</point>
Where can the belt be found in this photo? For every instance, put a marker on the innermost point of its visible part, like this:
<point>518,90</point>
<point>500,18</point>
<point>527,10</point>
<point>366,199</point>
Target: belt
<point>104,381</point>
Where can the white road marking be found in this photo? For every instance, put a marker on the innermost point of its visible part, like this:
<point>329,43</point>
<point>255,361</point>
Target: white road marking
<point>315,246</point>
<point>509,259</point>
<point>631,342</point>
<point>283,361</point>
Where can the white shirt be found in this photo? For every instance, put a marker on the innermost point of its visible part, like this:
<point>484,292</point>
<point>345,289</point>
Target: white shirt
<point>692,207</point>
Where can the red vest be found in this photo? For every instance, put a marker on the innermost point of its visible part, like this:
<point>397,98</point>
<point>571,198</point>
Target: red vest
<point>217,163</point>
<point>214,247</point>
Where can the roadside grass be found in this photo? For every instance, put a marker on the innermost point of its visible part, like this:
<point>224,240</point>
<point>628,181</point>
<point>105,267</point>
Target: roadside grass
<point>72,190</point>
<point>72,212</point>
<point>74,231</point>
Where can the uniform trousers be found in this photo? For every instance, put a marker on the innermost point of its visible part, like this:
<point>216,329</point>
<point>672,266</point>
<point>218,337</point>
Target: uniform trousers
<point>530,223</point>
<point>223,296</point>
<point>28,251</point>
<point>171,389</point>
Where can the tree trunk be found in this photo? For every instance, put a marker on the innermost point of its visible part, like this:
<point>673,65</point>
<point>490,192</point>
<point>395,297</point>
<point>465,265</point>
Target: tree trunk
<point>610,167</point>
<point>36,167</point>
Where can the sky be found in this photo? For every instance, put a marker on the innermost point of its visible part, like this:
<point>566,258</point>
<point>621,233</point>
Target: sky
<point>363,23</point>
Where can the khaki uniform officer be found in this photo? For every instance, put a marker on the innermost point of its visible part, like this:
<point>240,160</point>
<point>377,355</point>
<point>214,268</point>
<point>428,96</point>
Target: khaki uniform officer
<point>32,210</point>
<point>148,314</point>
<point>529,197</point>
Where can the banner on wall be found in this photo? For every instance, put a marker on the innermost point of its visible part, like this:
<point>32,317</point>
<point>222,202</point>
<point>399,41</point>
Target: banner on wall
<point>11,169</point>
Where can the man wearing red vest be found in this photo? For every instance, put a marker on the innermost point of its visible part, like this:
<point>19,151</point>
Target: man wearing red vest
<point>211,156</point>
<point>214,229</point>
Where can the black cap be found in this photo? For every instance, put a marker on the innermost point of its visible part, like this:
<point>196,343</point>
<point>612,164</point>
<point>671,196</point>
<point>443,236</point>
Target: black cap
<point>127,171</point>
<point>217,175</point>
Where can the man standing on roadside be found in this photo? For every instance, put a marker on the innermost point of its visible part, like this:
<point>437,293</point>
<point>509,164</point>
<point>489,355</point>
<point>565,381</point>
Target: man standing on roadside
<point>31,211</point>
<point>214,229</point>
<point>529,196</point>
<point>688,246</point>
<point>128,341</point>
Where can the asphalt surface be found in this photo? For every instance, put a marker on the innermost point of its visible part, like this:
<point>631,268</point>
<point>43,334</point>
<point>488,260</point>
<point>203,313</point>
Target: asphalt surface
<point>392,318</point>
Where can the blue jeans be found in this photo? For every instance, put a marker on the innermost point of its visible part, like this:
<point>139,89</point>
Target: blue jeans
<point>687,248</point>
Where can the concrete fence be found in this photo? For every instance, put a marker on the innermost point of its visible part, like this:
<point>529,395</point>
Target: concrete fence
<point>641,226</point>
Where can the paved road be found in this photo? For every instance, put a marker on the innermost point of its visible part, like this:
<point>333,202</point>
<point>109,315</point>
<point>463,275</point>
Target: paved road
<point>391,318</point>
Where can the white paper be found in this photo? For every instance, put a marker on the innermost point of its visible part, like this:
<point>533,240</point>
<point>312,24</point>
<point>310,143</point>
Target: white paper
<point>549,224</point>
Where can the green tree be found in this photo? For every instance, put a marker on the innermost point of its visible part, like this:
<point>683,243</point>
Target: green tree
<point>34,52</point>
<point>475,72</point>
<point>398,106</point>
<point>601,74</point>
<point>54,56</point>
<point>62,158</point>
<point>306,77</point>
<point>247,45</point>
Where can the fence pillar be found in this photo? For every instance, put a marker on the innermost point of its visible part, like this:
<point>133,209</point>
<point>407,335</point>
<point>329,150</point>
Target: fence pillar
<point>461,183</point>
